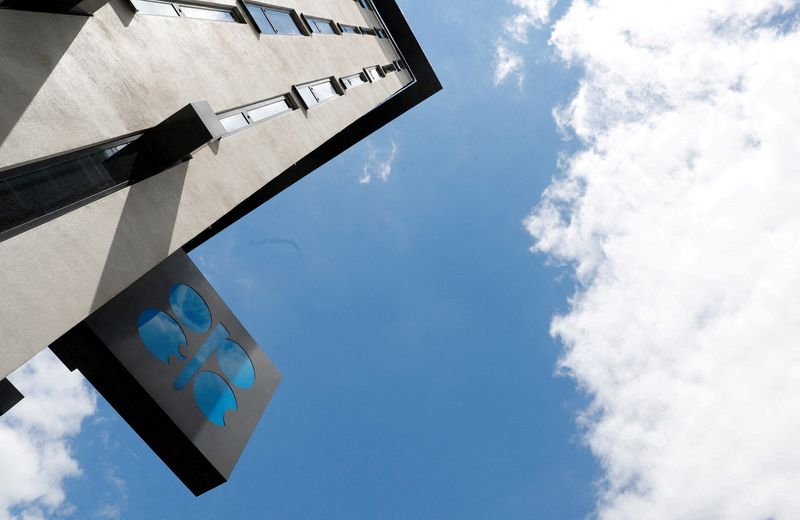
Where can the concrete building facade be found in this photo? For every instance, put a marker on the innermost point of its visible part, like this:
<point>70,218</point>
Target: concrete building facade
<point>133,128</point>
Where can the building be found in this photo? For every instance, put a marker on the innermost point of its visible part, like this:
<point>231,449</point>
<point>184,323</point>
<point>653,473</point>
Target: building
<point>133,128</point>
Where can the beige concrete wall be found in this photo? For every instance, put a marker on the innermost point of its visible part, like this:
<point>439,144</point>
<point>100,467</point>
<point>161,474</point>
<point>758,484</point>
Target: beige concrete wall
<point>71,81</point>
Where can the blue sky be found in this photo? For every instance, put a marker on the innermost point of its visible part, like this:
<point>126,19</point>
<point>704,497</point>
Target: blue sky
<point>408,317</point>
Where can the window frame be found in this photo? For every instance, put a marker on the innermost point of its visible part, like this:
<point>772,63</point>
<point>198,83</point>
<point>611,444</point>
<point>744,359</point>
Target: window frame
<point>296,17</point>
<point>378,69</point>
<point>309,19</point>
<point>346,87</point>
<point>337,88</point>
<point>356,29</point>
<point>245,110</point>
<point>232,9</point>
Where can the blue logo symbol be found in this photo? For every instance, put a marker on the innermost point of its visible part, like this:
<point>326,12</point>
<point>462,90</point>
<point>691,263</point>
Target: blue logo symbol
<point>164,337</point>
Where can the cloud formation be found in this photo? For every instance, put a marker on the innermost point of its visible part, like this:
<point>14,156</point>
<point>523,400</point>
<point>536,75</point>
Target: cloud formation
<point>531,14</point>
<point>35,456</point>
<point>681,222</point>
<point>379,164</point>
<point>507,62</point>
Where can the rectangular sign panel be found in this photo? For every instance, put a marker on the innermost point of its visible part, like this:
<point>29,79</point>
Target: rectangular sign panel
<point>177,365</point>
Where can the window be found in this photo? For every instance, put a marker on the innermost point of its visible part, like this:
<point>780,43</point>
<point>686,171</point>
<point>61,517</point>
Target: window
<point>365,4</point>
<point>367,30</point>
<point>321,25</point>
<point>31,192</point>
<point>353,81</point>
<point>272,20</point>
<point>242,117</point>
<point>349,29</point>
<point>374,73</point>
<point>389,68</point>
<point>380,33</point>
<point>316,92</point>
<point>220,14</point>
<point>234,122</point>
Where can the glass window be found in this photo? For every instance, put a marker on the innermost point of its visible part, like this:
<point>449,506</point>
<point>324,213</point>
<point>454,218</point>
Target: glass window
<point>320,25</point>
<point>271,109</point>
<point>353,81</point>
<point>234,122</point>
<point>221,15</point>
<point>260,18</point>
<point>324,91</point>
<point>37,191</point>
<point>316,93</point>
<point>282,21</point>
<point>380,33</point>
<point>157,8</point>
<point>374,75</point>
<point>349,29</point>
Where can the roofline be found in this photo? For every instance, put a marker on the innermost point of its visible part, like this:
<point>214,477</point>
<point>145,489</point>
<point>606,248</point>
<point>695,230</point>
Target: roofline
<point>425,85</point>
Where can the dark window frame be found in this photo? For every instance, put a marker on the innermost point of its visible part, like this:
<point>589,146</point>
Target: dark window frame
<point>297,18</point>
<point>355,29</point>
<point>56,160</point>
<point>310,22</point>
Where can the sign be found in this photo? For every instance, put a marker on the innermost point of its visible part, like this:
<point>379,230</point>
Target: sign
<point>177,365</point>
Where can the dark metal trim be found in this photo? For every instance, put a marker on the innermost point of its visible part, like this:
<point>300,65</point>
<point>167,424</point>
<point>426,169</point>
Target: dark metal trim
<point>9,396</point>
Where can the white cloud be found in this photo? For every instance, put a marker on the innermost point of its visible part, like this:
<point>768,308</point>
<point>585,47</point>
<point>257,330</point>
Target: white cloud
<point>507,62</point>
<point>35,456</point>
<point>379,163</point>
<point>531,14</point>
<point>681,220</point>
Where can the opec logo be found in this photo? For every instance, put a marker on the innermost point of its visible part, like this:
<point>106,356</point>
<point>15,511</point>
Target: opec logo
<point>165,337</point>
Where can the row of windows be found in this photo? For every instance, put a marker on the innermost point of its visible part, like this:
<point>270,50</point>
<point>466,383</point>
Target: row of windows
<point>32,193</point>
<point>310,94</point>
<point>268,19</point>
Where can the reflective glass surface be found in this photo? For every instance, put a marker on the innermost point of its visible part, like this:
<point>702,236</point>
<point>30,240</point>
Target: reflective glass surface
<point>213,396</point>
<point>349,29</point>
<point>321,26</point>
<point>161,334</point>
<point>207,14</point>
<point>373,73</point>
<point>353,81</point>
<point>282,21</point>
<point>278,107</point>
<point>234,122</point>
<point>158,8</point>
<point>236,364</point>
<point>40,191</point>
<point>323,91</point>
<point>190,308</point>
<point>308,96</point>
<point>260,18</point>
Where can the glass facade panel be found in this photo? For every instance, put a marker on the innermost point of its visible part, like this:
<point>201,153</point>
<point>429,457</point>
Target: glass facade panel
<point>318,25</point>
<point>278,107</point>
<point>208,14</point>
<point>234,122</point>
<point>353,81</point>
<point>324,91</point>
<point>260,18</point>
<point>308,97</point>
<point>349,29</point>
<point>157,8</point>
<point>373,73</point>
<point>38,192</point>
<point>282,21</point>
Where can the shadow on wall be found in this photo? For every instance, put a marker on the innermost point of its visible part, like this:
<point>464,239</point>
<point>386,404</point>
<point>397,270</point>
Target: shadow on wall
<point>144,232</point>
<point>31,46</point>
